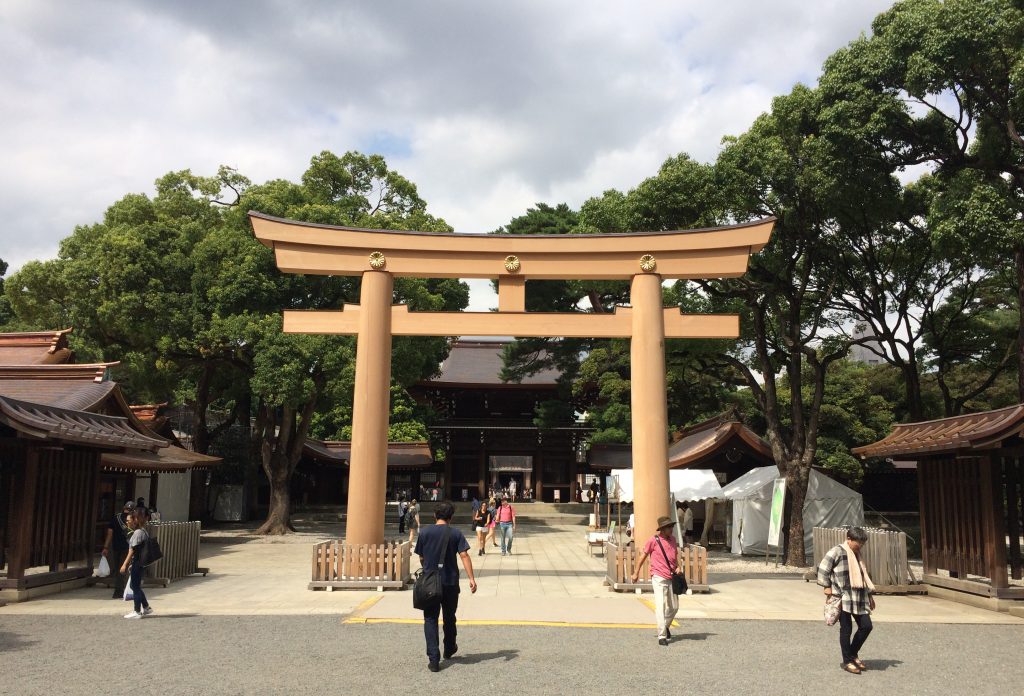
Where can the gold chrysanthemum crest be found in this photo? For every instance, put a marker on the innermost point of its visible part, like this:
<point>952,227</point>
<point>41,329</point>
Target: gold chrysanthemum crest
<point>648,263</point>
<point>377,260</point>
<point>512,263</point>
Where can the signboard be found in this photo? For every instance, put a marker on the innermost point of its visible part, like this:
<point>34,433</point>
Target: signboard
<point>558,495</point>
<point>775,518</point>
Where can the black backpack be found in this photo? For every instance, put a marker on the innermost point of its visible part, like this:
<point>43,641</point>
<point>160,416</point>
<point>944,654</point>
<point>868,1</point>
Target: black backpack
<point>427,590</point>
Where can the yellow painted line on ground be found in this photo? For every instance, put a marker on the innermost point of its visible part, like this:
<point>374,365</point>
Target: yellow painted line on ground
<point>650,605</point>
<point>485,622</point>
<point>363,607</point>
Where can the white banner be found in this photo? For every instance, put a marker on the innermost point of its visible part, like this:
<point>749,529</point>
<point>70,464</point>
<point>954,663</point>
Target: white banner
<point>775,518</point>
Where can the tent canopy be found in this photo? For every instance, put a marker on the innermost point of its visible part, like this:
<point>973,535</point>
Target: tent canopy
<point>828,504</point>
<point>684,484</point>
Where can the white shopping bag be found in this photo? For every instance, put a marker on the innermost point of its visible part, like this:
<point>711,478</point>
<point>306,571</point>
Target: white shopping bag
<point>128,596</point>
<point>103,570</point>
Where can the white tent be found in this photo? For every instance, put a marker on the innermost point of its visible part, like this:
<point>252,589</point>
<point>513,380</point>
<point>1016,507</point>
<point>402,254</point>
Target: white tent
<point>684,484</point>
<point>828,504</point>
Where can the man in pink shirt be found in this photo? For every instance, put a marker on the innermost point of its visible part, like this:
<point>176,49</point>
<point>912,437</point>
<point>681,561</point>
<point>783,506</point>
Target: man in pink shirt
<point>506,516</point>
<point>662,549</point>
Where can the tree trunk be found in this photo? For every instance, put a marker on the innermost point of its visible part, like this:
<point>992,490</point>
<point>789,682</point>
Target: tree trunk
<point>912,381</point>
<point>1018,258</point>
<point>200,431</point>
<point>278,470</point>
<point>797,477</point>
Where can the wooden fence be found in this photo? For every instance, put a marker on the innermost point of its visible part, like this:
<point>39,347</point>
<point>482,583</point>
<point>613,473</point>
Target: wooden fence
<point>361,566</point>
<point>884,555</point>
<point>179,542</point>
<point>621,562</point>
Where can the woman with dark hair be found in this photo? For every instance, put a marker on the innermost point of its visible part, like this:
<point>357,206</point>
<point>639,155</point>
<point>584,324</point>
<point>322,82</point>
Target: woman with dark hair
<point>482,524</point>
<point>136,563</point>
<point>845,578</point>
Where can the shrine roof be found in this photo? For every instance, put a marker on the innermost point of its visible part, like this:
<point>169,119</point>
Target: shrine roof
<point>35,348</point>
<point>400,454</point>
<point>171,459</point>
<point>948,435</point>
<point>475,363</point>
<point>73,426</point>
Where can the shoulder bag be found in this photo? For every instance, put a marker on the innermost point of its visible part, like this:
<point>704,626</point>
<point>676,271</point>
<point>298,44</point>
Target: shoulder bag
<point>427,590</point>
<point>152,552</point>
<point>678,579</point>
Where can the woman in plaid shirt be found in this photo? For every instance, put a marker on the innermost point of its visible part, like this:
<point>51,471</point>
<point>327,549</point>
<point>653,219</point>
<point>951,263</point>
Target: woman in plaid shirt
<point>843,574</point>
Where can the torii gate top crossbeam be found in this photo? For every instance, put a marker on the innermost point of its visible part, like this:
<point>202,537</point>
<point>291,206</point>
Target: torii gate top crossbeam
<point>303,247</point>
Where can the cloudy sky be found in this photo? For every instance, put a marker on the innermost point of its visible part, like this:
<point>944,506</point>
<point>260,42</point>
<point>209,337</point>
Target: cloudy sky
<point>489,107</point>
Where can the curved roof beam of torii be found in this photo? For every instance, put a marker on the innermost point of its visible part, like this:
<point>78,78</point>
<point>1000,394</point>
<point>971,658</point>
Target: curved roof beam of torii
<point>303,247</point>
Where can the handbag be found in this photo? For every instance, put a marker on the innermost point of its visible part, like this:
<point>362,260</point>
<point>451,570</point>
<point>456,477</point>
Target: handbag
<point>427,590</point>
<point>833,607</point>
<point>678,579</point>
<point>152,552</point>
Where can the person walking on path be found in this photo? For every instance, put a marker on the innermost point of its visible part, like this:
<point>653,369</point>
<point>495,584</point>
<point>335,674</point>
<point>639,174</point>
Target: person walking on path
<point>685,515</point>
<point>662,549</point>
<point>403,507</point>
<point>134,564</point>
<point>506,525</point>
<point>492,507</point>
<point>512,486</point>
<point>412,519</point>
<point>115,546</point>
<point>437,547</point>
<point>481,523</point>
<point>843,574</point>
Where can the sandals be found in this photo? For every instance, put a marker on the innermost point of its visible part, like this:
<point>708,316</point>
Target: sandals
<point>851,667</point>
<point>860,665</point>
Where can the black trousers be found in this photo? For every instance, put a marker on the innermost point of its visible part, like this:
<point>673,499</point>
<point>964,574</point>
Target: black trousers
<point>851,648</point>
<point>449,604</point>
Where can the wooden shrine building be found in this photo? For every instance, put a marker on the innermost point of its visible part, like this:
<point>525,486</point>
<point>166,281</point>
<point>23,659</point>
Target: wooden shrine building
<point>67,438</point>
<point>486,428</point>
<point>970,477</point>
<point>321,478</point>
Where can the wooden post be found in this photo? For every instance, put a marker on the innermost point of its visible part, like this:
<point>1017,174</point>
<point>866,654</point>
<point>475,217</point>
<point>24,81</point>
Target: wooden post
<point>1011,464</point>
<point>26,478</point>
<point>649,408</point>
<point>370,410</point>
<point>993,523</point>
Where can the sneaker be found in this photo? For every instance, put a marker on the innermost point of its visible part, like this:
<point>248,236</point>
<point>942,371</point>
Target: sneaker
<point>133,615</point>
<point>448,654</point>
<point>502,553</point>
<point>433,666</point>
<point>663,641</point>
<point>149,610</point>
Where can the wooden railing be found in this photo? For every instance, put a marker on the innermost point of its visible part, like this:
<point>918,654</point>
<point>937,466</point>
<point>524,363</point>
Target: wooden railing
<point>179,542</point>
<point>621,562</point>
<point>361,566</point>
<point>884,555</point>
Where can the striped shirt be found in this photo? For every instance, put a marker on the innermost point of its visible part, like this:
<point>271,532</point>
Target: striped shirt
<point>834,572</point>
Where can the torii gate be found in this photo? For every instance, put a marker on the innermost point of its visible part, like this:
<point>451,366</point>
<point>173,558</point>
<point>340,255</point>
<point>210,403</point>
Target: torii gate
<point>643,258</point>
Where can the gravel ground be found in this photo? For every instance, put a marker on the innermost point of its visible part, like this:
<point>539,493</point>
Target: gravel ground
<point>308,655</point>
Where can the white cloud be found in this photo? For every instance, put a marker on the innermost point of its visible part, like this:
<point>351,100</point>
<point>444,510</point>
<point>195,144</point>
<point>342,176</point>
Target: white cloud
<point>488,107</point>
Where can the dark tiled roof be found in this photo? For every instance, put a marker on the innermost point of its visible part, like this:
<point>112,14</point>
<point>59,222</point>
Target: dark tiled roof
<point>35,348</point>
<point>400,454</point>
<point>948,435</point>
<point>480,362</point>
<point>72,426</point>
<point>79,395</point>
<point>167,460</point>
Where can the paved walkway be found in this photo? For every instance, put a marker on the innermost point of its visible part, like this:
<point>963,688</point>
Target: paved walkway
<point>550,578</point>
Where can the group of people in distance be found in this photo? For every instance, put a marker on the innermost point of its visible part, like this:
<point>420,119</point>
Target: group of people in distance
<point>124,548</point>
<point>841,573</point>
<point>490,516</point>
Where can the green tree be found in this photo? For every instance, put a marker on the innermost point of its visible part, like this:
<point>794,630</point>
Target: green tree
<point>939,82</point>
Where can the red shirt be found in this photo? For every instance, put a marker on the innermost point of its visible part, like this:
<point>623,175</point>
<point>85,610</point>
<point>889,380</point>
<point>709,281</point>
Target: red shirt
<point>658,565</point>
<point>506,513</point>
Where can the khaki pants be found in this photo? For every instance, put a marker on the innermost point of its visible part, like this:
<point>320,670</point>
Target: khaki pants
<point>666,604</point>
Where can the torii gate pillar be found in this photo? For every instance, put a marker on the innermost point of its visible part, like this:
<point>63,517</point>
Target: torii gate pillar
<point>370,411</point>
<point>648,405</point>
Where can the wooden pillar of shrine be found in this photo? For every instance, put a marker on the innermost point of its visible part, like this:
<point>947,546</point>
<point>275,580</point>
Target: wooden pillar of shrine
<point>649,406</point>
<point>370,410</point>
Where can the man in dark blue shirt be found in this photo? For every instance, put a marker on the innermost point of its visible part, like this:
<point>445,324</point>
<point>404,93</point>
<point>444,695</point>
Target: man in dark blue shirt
<point>437,547</point>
